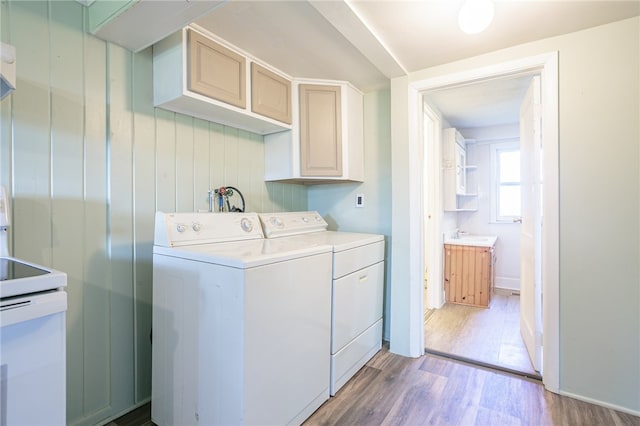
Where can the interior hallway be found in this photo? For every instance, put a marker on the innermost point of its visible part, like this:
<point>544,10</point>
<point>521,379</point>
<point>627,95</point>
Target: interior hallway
<point>491,336</point>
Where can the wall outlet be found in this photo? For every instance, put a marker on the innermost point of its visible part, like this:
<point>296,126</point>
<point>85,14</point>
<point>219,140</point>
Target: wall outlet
<point>359,200</point>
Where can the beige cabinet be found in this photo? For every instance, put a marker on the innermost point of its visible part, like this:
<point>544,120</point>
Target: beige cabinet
<point>215,71</point>
<point>200,75</point>
<point>468,274</point>
<point>270,94</point>
<point>320,130</point>
<point>326,143</point>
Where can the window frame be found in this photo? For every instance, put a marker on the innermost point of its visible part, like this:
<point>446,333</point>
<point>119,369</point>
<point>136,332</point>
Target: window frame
<point>496,150</point>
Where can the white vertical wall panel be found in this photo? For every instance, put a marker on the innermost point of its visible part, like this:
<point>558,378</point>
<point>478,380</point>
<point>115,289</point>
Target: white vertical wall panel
<point>32,128</point>
<point>201,156</point>
<point>144,208</point>
<point>88,160</point>
<point>91,383</point>
<point>165,161</point>
<point>120,145</point>
<point>67,160</point>
<point>184,163</point>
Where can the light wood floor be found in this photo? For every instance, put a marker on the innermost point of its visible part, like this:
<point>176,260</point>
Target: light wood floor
<point>489,335</point>
<point>395,390</point>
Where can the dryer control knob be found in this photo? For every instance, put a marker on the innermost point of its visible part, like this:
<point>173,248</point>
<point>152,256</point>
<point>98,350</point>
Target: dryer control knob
<point>196,226</point>
<point>181,227</point>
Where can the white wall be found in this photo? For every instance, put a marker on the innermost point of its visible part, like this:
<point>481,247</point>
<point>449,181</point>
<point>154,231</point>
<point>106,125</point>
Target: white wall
<point>599,161</point>
<point>336,202</point>
<point>87,160</point>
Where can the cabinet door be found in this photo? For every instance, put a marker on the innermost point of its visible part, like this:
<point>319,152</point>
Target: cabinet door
<point>216,71</point>
<point>320,130</point>
<point>270,94</point>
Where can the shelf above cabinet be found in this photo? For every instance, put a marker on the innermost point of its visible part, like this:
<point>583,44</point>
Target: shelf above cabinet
<point>137,24</point>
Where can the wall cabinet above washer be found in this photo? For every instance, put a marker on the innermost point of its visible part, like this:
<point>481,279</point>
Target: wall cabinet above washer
<point>137,24</point>
<point>198,74</point>
<point>326,143</point>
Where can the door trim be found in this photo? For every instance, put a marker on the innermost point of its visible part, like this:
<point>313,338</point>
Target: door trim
<point>546,65</point>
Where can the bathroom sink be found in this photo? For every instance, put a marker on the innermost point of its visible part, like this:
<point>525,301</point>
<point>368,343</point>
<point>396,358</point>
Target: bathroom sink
<point>473,240</point>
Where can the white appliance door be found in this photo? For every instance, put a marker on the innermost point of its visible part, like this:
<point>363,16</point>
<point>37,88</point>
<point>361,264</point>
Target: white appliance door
<point>531,227</point>
<point>33,360</point>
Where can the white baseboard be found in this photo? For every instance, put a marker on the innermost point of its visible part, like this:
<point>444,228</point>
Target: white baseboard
<point>508,283</point>
<point>601,403</point>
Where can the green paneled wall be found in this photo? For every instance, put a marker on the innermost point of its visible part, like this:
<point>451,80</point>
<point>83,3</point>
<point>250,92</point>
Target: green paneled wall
<point>88,160</point>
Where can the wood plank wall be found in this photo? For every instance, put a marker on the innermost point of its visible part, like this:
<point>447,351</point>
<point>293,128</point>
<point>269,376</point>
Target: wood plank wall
<point>88,160</point>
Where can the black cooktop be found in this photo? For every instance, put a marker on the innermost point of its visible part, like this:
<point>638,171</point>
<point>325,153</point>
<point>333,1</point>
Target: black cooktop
<point>11,270</point>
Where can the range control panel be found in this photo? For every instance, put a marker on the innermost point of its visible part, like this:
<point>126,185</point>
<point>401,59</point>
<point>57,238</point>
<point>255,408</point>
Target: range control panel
<point>180,229</point>
<point>291,223</point>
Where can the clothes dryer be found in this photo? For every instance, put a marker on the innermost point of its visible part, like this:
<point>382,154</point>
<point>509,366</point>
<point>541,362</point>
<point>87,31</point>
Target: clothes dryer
<point>357,285</point>
<point>241,324</point>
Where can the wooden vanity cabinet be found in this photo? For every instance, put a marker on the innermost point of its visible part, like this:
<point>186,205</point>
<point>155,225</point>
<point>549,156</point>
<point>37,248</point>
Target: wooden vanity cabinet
<point>468,274</point>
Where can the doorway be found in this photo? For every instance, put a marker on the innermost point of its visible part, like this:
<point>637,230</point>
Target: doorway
<point>487,115</point>
<point>430,260</point>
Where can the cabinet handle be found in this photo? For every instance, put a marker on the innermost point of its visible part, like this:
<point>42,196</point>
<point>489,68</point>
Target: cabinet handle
<point>363,278</point>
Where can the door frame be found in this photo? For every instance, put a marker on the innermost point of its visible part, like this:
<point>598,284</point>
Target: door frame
<point>546,65</point>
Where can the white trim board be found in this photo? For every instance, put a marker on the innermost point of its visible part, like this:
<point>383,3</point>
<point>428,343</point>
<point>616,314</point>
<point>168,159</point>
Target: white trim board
<point>411,301</point>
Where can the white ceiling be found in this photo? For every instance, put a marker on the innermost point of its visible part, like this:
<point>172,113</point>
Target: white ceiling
<point>368,42</point>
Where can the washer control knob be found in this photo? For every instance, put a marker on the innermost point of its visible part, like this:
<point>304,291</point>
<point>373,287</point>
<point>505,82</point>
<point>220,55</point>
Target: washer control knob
<point>246,225</point>
<point>277,222</point>
<point>196,226</point>
<point>181,227</point>
<point>305,219</point>
<point>318,219</point>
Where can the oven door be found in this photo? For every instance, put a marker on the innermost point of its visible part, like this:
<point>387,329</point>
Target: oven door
<point>33,359</point>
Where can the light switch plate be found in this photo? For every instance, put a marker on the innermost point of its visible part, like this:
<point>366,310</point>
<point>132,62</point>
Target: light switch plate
<point>359,200</point>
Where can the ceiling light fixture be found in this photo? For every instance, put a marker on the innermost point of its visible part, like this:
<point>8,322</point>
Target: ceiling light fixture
<point>475,16</point>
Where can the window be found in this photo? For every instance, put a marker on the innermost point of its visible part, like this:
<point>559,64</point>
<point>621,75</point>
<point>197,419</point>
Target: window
<point>506,182</point>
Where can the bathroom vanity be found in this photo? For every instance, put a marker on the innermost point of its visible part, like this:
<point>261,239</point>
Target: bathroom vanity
<point>469,269</point>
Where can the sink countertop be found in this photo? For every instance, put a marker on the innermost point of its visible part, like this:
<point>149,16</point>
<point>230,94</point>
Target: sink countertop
<point>473,240</point>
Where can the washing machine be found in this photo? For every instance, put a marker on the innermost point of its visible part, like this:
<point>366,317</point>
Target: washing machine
<point>357,287</point>
<point>241,324</point>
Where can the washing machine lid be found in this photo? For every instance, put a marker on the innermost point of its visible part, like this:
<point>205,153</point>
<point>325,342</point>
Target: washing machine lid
<point>246,254</point>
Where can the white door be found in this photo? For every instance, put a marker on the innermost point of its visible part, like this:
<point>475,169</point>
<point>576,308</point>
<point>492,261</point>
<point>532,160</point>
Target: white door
<point>531,227</point>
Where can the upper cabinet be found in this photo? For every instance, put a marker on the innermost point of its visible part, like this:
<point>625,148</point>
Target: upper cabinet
<point>270,94</point>
<point>457,196</point>
<point>137,24</point>
<point>198,74</point>
<point>215,71</point>
<point>326,143</point>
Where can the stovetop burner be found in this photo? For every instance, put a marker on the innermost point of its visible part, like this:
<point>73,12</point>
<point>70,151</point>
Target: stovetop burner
<point>12,269</point>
